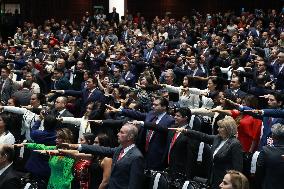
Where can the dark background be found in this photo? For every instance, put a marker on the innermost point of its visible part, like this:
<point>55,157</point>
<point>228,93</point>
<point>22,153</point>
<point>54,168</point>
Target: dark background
<point>39,10</point>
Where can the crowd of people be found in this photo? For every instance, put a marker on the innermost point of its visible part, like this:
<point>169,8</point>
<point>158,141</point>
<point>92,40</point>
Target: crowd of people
<point>114,102</point>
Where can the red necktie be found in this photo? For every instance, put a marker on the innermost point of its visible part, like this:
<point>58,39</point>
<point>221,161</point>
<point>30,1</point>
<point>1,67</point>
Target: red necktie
<point>120,155</point>
<point>149,134</point>
<point>172,144</point>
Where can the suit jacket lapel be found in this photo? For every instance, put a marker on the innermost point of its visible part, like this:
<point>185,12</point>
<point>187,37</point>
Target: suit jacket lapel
<point>115,157</point>
<point>4,174</point>
<point>223,148</point>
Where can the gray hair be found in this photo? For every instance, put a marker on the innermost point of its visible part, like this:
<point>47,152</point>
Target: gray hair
<point>230,126</point>
<point>132,131</point>
<point>277,131</point>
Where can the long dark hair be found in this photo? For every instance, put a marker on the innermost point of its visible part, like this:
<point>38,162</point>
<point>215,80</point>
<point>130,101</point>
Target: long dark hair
<point>90,138</point>
<point>104,140</point>
<point>7,121</point>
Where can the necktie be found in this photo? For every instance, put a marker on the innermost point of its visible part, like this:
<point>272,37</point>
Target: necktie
<point>148,55</point>
<point>172,144</point>
<point>150,134</point>
<point>88,93</point>
<point>120,155</point>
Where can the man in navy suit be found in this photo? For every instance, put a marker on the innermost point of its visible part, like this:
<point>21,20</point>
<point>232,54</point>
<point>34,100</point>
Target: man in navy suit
<point>278,71</point>
<point>127,75</point>
<point>150,52</point>
<point>60,83</point>
<point>153,144</point>
<point>127,160</point>
<point>235,90</point>
<point>89,94</point>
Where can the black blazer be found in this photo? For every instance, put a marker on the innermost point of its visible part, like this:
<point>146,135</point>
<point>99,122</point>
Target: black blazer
<point>183,154</point>
<point>230,156</point>
<point>10,179</point>
<point>270,166</point>
<point>127,173</point>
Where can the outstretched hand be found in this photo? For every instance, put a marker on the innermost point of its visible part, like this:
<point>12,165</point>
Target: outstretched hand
<point>112,109</point>
<point>255,111</point>
<point>21,145</point>
<point>68,146</point>
<point>181,130</point>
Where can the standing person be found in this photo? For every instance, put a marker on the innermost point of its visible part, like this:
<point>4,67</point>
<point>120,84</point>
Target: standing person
<point>152,144</point>
<point>127,167</point>
<point>5,136</point>
<point>89,94</point>
<point>37,164</point>
<point>113,16</point>
<point>269,167</point>
<point>29,117</point>
<point>61,167</point>
<point>92,171</point>
<point>248,126</point>
<point>182,153</point>
<point>6,86</point>
<point>83,123</point>
<point>8,177</point>
<point>227,150</point>
<point>274,101</point>
<point>24,95</point>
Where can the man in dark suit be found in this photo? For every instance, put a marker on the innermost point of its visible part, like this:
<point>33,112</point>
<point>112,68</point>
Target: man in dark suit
<point>24,95</point>
<point>150,52</point>
<point>278,71</point>
<point>153,144</point>
<point>60,83</point>
<point>127,161</point>
<point>235,90</point>
<point>269,169</point>
<point>127,75</point>
<point>114,16</point>
<point>89,94</point>
<point>6,86</point>
<point>183,153</point>
<point>8,177</point>
<point>63,35</point>
<point>61,111</point>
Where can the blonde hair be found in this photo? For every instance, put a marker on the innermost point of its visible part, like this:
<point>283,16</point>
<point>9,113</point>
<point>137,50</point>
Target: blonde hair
<point>230,126</point>
<point>65,134</point>
<point>238,180</point>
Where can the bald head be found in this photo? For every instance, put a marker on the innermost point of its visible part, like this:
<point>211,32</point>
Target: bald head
<point>60,103</point>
